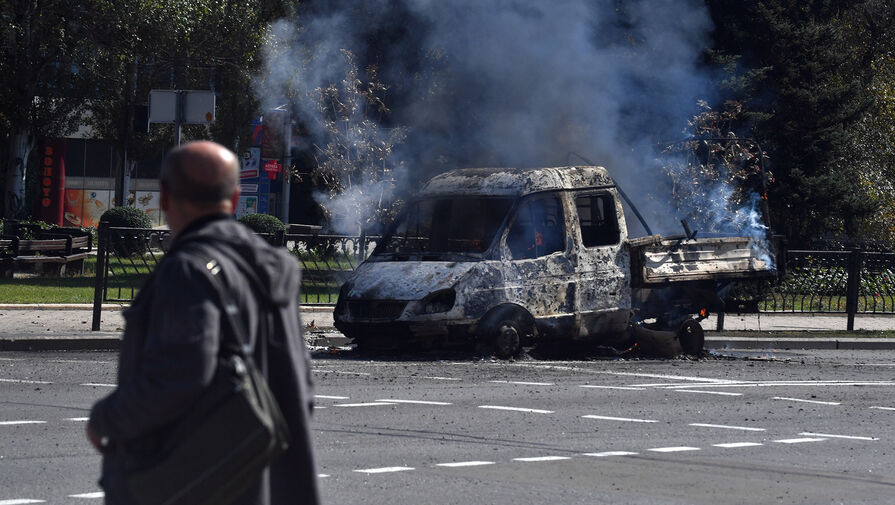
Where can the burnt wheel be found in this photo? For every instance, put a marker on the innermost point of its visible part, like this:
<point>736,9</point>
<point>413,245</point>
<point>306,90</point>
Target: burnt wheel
<point>507,339</point>
<point>692,337</point>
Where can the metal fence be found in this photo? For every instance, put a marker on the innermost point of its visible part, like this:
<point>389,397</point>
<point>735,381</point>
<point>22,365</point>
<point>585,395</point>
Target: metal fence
<point>845,282</point>
<point>127,256</point>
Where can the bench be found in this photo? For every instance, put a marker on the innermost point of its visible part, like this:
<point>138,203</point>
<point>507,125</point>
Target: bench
<point>58,251</point>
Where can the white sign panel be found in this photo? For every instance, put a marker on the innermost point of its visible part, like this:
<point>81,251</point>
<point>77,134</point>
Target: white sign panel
<point>198,106</point>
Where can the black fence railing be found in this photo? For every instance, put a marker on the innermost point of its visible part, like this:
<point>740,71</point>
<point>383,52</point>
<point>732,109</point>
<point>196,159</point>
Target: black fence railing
<point>844,282</point>
<point>126,257</point>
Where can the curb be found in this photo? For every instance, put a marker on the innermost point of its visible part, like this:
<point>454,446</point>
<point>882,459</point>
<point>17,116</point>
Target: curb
<point>111,341</point>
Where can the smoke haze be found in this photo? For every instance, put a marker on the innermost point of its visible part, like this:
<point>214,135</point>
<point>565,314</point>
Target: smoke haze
<point>511,83</point>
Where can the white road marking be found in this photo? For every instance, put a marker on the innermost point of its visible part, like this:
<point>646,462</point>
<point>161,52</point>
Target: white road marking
<point>443,378</point>
<point>627,388</point>
<point>805,401</point>
<point>99,385</point>
<point>387,469</point>
<point>609,454</point>
<point>521,383</point>
<point>625,419</point>
<point>827,435</point>
<point>317,370</point>
<point>720,393</point>
<point>734,445</point>
<point>88,496</point>
<point>465,463</point>
<point>367,404</point>
<point>670,377</point>
<point>516,409</point>
<point>322,475</point>
<point>727,427</point>
<point>541,458</point>
<point>417,402</point>
<point>14,423</point>
<point>328,397</point>
<point>882,408</point>
<point>77,419</point>
<point>20,502</point>
<point>23,381</point>
<point>798,440</point>
<point>750,384</point>
<point>673,449</point>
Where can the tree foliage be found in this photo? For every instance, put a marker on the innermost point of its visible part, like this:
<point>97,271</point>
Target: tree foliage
<point>804,72</point>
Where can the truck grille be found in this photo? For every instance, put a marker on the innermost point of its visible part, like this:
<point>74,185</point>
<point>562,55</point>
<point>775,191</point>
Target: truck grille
<point>376,309</point>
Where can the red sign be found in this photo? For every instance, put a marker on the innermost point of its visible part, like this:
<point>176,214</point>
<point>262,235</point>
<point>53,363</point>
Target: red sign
<point>52,182</point>
<point>272,166</point>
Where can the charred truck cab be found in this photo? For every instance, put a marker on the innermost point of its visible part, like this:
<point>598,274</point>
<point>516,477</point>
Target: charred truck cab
<point>503,257</point>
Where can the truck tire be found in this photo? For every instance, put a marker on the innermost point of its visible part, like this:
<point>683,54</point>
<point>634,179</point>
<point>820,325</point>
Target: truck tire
<point>507,340</point>
<point>692,337</point>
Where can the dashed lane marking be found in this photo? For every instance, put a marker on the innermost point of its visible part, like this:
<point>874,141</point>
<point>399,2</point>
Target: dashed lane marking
<point>805,401</point>
<point>20,502</point>
<point>23,381</point>
<point>88,496</point>
<point>15,423</point>
<point>882,408</point>
<point>460,464</point>
<point>322,475</point>
<point>416,402</point>
<point>328,397</point>
<point>387,469</point>
<point>77,419</point>
<point>99,385</point>
<point>542,458</point>
<point>522,383</point>
<point>609,454</point>
<point>317,370</point>
<point>726,427</point>
<point>719,393</point>
<point>798,440</point>
<point>367,404</point>
<point>674,449</point>
<point>827,435</point>
<point>443,378</point>
<point>736,445</point>
<point>624,419</point>
<point>516,409</point>
<point>764,384</point>
<point>626,388</point>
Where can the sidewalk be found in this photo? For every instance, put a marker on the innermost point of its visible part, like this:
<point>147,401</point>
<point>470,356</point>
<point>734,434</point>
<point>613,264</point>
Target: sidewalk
<point>67,327</point>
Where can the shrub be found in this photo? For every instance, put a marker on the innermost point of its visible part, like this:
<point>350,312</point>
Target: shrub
<point>126,217</point>
<point>127,243</point>
<point>263,223</point>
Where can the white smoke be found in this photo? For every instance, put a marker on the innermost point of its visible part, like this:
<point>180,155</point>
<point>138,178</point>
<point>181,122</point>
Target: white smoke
<point>517,83</point>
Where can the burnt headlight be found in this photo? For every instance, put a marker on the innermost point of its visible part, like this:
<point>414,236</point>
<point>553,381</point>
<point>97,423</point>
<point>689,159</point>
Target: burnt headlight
<point>439,301</point>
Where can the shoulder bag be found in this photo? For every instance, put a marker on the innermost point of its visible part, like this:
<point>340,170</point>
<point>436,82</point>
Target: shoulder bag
<point>227,439</point>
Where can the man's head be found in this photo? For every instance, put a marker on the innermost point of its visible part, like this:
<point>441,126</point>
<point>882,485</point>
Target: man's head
<point>198,179</point>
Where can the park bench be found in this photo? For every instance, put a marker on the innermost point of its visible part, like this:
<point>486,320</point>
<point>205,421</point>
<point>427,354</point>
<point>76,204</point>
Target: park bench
<point>58,251</point>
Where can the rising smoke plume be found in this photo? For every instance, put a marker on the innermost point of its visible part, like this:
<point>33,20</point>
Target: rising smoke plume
<point>510,83</point>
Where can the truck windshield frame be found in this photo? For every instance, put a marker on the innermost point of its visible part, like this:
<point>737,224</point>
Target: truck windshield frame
<point>445,228</point>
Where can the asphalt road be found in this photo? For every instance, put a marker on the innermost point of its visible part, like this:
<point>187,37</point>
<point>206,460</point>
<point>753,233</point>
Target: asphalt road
<point>809,427</point>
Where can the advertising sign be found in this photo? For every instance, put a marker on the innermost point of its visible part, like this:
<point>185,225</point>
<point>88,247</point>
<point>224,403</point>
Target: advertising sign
<point>50,203</point>
<point>84,207</point>
<point>251,163</point>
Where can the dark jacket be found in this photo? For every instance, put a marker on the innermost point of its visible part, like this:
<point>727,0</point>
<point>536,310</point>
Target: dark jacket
<point>170,346</point>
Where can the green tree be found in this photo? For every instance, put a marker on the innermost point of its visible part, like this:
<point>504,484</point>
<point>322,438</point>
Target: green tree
<point>803,69</point>
<point>44,46</point>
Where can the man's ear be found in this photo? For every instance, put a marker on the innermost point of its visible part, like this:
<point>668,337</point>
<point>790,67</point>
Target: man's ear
<point>164,199</point>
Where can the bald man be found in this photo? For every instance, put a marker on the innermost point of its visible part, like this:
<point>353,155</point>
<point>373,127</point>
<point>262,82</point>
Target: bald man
<point>173,331</point>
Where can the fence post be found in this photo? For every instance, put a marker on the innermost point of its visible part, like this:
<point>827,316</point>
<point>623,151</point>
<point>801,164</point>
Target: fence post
<point>102,249</point>
<point>854,283</point>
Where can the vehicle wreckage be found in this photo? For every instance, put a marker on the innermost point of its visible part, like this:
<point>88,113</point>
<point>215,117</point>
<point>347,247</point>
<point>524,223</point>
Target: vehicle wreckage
<point>505,258</point>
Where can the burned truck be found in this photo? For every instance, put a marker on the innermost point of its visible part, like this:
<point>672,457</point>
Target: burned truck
<point>504,258</point>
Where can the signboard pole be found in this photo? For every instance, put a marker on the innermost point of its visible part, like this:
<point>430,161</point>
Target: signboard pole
<point>178,117</point>
<point>287,165</point>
